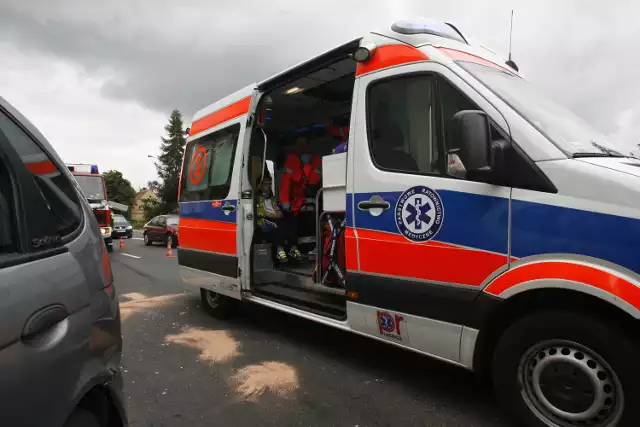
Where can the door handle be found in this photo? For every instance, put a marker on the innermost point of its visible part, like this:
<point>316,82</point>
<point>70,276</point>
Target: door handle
<point>373,205</point>
<point>43,319</point>
<point>228,208</point>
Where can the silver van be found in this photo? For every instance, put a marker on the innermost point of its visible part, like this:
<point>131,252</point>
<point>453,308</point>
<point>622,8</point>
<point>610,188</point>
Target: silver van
<point>60,342</point>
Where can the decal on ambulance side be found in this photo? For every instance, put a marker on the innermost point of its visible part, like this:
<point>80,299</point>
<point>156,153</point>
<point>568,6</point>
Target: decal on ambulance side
<point>198,165</point>
<point>389,325</point>
<point>419,213</point>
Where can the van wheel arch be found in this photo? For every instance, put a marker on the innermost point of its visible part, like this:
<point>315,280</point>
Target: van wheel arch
<point>526,303</point>
<point>99,402</point>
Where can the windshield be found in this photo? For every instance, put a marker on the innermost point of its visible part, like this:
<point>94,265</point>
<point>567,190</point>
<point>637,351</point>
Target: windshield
<point>172,220</point>
<point>119,219</point>
<point>92,187</point>
<point>566,130</point>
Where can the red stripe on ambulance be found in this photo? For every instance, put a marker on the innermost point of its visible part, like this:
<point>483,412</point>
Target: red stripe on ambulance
<point>208,235</point>
<point>567,271</point>
<point>393,255</point>
<point>227,113</point>
<point>389,56</point>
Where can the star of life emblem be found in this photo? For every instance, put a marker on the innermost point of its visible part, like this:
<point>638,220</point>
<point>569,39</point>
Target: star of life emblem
<point>419,214</point>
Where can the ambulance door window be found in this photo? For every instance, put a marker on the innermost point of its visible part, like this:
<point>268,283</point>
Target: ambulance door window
<point>401,131</point>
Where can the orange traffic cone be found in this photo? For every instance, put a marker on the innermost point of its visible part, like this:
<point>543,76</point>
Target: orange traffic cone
<point>122,243</point>
<point>169,250</point>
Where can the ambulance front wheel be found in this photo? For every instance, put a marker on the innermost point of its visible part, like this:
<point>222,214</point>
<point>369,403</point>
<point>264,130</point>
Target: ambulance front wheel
<point>109,244</point>
<point>560,369</point>
<point>217,305</point>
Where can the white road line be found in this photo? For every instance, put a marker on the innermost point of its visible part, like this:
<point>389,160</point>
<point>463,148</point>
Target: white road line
<point>137,238</point>
<point>129,255</point>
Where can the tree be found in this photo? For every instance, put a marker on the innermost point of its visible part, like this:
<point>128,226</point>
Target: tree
<point>170,161</point>
<point>119,189</point>
<point>151,208</point>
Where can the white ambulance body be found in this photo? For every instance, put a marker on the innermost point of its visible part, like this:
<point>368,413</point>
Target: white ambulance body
<point>484,225</point>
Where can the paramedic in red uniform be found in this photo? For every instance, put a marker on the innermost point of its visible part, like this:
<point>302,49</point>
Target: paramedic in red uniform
<point>301,177</point>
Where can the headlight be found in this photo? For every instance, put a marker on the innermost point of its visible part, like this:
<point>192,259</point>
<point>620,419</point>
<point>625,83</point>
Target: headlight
<point>130,227</point>
<point>105,230</point>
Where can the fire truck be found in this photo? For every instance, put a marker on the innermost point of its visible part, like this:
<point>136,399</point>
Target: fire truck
<point>91,182</point>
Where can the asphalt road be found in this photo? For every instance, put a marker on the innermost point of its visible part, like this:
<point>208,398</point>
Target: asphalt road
<point>265,368</point>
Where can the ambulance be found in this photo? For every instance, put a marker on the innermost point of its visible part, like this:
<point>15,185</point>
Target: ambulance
<point>471,219</point>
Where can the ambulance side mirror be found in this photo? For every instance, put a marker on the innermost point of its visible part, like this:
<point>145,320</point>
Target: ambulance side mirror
<point>471,133</point>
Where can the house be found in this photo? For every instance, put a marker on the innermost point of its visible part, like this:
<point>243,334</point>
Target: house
<point>137,213</point>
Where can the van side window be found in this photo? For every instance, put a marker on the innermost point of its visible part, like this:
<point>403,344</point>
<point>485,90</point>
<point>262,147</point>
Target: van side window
<point>54,209</point>
<point>7,208</point>
<point>208,165</point>
<point>401,130</point>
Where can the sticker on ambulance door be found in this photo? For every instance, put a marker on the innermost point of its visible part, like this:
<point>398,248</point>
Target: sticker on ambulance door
<point>419,213</point>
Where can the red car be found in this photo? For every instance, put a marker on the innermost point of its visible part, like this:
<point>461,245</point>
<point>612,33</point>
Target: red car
<point>163,228</point>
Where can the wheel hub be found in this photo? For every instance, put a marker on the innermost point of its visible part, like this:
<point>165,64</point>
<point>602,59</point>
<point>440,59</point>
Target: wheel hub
<point>566,384</point>
<point>567,387</point>
<point>212,298</point>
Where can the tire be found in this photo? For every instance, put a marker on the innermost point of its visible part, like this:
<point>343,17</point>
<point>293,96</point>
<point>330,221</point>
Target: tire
<point>543,359</point>
<point>82,418</point>
<point>147,241</point>
<point>129,236</point>
<point>109,247</point>
<point>217,305</point>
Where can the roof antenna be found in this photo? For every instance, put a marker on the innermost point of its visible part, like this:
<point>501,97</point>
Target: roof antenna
<point>510,62</point>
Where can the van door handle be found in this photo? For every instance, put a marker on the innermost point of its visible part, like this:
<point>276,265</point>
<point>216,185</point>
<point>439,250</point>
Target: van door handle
<point>228,208</point>
<point>44,319</point>
<point>373,205</point>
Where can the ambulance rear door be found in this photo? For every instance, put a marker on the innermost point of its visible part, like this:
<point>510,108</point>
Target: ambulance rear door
<point>254,143</point>
<point>427,238</point>
<point>210,228</point>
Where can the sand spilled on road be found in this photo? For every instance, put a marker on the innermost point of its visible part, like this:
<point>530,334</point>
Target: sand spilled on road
<point>278,378</point>
<point>214,346</point>
<point>135,302</point>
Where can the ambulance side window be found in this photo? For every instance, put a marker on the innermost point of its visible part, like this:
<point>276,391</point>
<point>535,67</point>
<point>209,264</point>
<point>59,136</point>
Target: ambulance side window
<point>402,131</point>
<point>208,165</point>
<point>520,171</point>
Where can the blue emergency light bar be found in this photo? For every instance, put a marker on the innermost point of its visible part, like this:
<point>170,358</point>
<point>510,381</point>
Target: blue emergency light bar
<point>83,168</point>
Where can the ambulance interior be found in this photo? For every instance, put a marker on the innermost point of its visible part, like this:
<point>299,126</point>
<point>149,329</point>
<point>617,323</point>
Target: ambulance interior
<point>307,105</point>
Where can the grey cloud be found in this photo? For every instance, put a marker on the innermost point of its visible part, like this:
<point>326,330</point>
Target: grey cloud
<point>167,54</point>
<point>170,67</point>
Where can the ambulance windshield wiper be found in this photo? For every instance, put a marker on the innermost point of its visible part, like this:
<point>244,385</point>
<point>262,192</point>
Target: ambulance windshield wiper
<point>613,154</point>
<point>604,151</point>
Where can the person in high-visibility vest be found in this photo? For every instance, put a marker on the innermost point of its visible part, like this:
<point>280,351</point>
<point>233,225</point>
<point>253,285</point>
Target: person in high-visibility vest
<point>270,220</point>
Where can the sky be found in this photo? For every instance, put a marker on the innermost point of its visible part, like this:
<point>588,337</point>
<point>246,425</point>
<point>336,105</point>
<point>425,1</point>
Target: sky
<point>100,78</point>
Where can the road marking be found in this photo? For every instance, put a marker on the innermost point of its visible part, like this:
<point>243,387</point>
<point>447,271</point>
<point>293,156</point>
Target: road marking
<point>137,238</point>
<point>129,255</point>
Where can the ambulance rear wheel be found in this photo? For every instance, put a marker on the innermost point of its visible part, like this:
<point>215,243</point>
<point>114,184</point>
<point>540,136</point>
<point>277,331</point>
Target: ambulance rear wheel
<point>217,305</point>
<point>559,369</point>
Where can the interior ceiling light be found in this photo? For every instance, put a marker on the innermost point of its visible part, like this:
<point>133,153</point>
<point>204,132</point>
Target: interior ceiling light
<point>293,90</point>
